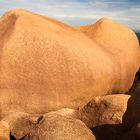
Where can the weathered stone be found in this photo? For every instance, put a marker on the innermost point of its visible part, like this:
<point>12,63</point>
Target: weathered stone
<point>57,127</point>
<point>104,110</point>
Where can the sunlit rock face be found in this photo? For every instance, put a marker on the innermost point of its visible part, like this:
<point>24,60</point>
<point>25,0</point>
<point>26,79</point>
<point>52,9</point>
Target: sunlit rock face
<point>121,44</point>
<point>47,65</point>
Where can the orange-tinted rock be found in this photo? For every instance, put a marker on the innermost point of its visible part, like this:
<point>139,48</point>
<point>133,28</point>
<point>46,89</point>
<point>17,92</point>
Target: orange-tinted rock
<point>4,131</point>
<point>104,110</point>
<point>57,127</point>
<point>121,44</point>
<point>21,124</point>
<point>50,65</point>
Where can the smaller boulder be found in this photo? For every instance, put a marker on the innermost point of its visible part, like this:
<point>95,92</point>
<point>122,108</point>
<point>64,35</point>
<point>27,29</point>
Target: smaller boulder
<point>20,123</point>
<point>57,127</point>
<point>104,110</point>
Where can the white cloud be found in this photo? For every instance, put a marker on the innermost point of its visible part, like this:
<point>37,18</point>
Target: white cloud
<point>77,12</point>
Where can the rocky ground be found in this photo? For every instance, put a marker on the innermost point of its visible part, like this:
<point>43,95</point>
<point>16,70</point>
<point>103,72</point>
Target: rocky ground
<point>111,117</point>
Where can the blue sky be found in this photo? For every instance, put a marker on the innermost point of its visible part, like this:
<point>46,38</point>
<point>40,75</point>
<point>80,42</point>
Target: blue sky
<point>81,12</point>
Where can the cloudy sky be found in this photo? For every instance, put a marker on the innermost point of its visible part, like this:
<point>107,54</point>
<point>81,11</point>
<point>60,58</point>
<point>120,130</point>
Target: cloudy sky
<point>81,12</point>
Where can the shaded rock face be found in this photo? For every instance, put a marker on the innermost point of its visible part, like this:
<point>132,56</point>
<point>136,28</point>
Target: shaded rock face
<point>136,84</point>
<point>104,110</point>
<point>50,65</point>
<point>138,36</point>
<point>132,134</point>
<point>131,117</point>
<point>12,138</point>
<point>109,132</point>
<point>132,114</point>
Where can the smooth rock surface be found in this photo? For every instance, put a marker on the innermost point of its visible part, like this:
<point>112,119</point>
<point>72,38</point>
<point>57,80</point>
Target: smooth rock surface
<point>47,65</point>
<point>121,44</point>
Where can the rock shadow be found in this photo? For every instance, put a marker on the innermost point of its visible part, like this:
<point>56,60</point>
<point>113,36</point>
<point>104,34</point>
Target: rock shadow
<point>108,132</point>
